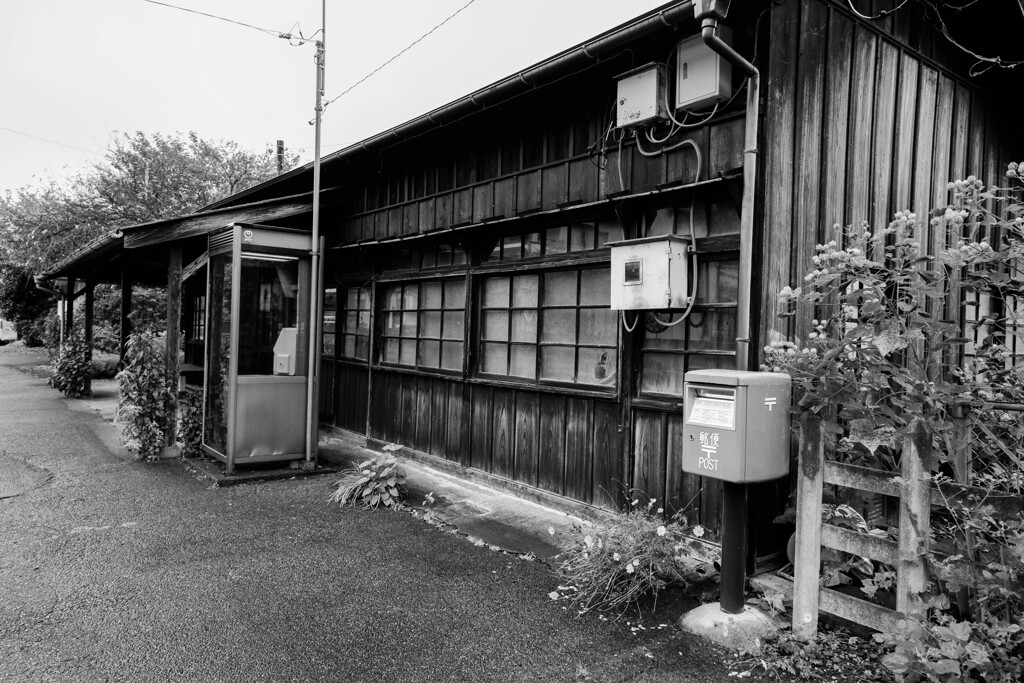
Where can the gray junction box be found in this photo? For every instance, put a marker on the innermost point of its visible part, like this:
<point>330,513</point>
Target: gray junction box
<point>737,425</point>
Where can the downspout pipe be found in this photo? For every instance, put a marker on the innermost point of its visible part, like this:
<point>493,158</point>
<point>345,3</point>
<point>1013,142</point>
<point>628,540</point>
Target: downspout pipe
<point>735,495</point>
<point>709,13</point>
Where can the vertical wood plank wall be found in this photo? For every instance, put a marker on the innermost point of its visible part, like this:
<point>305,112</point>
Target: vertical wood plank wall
<point>871,127</point>
<point>570,445</point>
<point>856,125</point>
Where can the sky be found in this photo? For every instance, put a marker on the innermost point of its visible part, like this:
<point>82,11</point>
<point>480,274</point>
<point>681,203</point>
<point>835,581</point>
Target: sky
<point>74,73</point>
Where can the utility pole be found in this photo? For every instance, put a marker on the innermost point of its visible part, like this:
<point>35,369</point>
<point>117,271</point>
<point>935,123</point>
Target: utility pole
<point>312,418</point>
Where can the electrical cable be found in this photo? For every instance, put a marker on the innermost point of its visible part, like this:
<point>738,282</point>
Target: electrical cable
<point>649,134</point>
<point>52,142</point>
<point>276,34</point>
<point>693,295</point>
<point>618,163</point>
<point>879,15</point>
<point>635,321</point>
<point>397,55</point>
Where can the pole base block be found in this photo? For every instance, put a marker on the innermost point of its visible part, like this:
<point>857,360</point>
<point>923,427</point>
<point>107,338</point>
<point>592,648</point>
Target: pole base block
<point>744,632</point>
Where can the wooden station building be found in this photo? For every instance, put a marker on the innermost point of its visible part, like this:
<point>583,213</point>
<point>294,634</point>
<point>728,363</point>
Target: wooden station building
<point>466,310</point>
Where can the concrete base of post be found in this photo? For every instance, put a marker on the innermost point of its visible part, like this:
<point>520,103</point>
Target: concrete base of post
<point>744,632</point>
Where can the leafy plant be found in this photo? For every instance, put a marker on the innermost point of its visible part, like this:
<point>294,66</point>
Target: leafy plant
<point>609,567</point>
<point>884,353</point>
<point>832,655</point>
<point>71,368</point>
<point>143,396</point>
<point>372,483</point>
<point>190,423</point>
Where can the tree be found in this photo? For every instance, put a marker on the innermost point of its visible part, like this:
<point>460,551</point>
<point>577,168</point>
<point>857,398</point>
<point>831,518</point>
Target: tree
<point>22,303</point>
<point>142,178</point>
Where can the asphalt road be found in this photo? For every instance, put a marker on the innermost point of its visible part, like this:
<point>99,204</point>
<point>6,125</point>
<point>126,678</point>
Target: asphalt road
<point>118,570</point>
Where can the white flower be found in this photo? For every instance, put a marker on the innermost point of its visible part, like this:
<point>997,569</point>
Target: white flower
<point>551,530</point>
<point>629,567</point>
<point>616,557</point>
<point>553,595</point>
<point>698,531</point>
<point>661,530</point>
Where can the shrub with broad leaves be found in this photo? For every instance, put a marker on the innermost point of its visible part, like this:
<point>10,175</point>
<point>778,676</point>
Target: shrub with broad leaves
<point>372,483</point>
<point>143,395</point>
<point>71,369</point>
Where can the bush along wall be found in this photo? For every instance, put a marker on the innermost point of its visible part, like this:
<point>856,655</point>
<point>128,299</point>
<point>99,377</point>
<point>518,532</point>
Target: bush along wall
<point>71,367</point>
<point>884,353</point>
<point>143,396</point>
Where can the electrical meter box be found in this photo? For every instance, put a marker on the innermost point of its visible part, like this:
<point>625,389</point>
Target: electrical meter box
<point>737,425</point>
<point>650,273</point>
<point>641,95</point>
<point>703,77</point>
<point>285,351</point>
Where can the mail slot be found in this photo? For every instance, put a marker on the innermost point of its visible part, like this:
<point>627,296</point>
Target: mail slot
<point>737,425</point>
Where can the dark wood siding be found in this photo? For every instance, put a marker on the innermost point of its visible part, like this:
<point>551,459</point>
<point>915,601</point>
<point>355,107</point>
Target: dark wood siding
<point>855,125</point>
<point>537,438</point>
<point>351,386</point>
<point>871,127</point>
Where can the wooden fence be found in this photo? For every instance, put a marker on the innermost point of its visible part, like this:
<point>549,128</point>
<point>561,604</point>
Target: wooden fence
<point>912,485</point>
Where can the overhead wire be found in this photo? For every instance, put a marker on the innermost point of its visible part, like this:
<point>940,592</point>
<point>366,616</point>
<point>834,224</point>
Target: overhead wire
<point>398,54</point>
<point>52,142</point>
<point>276,34</point>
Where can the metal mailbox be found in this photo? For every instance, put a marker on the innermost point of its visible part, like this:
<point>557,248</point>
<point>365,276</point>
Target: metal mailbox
<point>737,425</point>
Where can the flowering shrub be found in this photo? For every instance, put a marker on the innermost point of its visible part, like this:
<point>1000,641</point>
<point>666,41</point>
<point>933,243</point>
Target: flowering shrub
<point>883,352</point>
<point>611,566</point>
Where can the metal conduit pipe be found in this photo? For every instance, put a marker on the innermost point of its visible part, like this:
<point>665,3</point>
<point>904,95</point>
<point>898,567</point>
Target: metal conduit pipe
<point>709,13</point>
<point>734,495</point>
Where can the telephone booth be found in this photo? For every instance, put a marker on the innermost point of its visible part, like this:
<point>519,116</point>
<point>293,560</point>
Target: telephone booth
<point>257,345</point>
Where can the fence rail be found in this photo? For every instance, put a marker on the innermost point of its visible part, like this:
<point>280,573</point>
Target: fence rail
<point>917,494</point>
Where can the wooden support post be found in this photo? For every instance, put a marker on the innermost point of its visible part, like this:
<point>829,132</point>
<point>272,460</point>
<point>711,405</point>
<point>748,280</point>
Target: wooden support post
<point>125,327</point>
<point>962,470</point>
<point>173,340</point>
<point>90,284</point>
<point>807,556</point>
<point>915,519</point>
<point>69,309</point>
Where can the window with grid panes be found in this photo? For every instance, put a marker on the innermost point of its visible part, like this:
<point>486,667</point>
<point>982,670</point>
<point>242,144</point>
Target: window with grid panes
<point>196,336</point>
<point>329,324</point>
<point>562,239</point>
<point>706,339</point>
<point>354,340</point>
<point>424,324</point>
<point>549,327</point>
<point>444,255</point>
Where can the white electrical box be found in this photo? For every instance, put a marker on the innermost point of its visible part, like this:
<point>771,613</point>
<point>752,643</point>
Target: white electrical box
<point>285,349</point>
<point>650,273</point>
<point>641,95</point>
<point>703,77</point>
